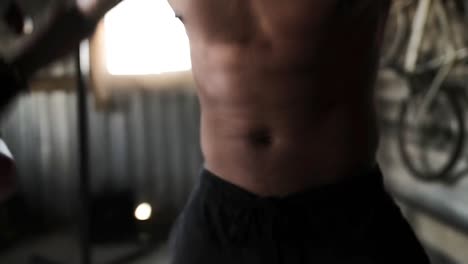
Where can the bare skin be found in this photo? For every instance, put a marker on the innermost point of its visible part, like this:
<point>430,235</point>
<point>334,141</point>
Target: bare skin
<point>286,86</point>
<point>285,89</point>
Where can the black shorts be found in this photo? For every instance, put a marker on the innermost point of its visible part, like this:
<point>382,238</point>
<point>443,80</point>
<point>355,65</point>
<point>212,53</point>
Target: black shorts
<point>354,221</point>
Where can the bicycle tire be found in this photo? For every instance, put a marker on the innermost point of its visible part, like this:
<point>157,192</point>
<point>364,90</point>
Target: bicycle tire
<point>409,159</point>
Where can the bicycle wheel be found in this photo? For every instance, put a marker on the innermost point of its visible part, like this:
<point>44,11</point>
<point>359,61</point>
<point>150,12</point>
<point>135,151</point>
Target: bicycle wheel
<point>430,143</point>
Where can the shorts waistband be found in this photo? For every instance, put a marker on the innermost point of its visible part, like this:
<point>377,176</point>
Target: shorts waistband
<point>357,188</point>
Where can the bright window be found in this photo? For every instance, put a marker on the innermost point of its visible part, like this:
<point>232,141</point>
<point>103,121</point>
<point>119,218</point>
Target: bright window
<point>144,37</point>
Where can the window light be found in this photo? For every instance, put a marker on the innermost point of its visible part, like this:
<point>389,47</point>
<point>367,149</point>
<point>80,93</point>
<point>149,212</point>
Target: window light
<point>144,37</point>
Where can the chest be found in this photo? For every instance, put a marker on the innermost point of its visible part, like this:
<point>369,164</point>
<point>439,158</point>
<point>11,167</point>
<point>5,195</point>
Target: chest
<point>244,19</point>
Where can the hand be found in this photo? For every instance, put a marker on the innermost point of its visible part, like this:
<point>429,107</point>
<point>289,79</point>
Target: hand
<point>95,9</point>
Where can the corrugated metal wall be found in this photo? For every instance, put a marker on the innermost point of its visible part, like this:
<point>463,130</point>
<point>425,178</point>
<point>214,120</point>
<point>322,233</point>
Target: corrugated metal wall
<point>149,143</point>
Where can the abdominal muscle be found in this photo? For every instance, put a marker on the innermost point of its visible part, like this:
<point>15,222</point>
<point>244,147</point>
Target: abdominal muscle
<point>283,111</point>
<point>275,160</point>
<point>278,127</point>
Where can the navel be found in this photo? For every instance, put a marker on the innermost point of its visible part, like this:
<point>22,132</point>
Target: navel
<point>261,138</point>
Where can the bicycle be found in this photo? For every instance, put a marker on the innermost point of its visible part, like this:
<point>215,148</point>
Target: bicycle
<point>431,120</point>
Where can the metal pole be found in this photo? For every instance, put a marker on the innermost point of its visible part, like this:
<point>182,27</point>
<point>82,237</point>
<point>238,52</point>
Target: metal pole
<point>83,149</point>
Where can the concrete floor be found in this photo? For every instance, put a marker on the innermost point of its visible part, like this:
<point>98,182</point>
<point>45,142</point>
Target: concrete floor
<point>62,248</point>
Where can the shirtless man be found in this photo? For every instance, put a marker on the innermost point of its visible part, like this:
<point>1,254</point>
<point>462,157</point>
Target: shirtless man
<point>288,133</point>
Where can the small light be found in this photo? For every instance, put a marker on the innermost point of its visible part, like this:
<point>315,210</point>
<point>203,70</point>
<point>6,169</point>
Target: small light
<point>28,26</point>
<point>143,212</point>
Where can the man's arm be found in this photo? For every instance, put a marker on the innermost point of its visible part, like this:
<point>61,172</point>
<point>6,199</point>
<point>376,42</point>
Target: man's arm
<point>96,8</point>
<point>66,26</point>
<point>61,32</point>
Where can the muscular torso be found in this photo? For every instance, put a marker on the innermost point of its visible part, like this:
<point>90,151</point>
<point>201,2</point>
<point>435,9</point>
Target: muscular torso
<point>285,88</point>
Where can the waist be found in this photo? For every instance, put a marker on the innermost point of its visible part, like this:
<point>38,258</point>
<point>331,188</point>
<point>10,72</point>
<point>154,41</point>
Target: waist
<point>274,158</point>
